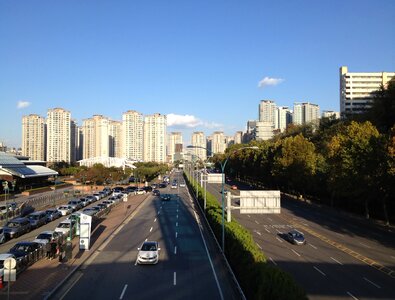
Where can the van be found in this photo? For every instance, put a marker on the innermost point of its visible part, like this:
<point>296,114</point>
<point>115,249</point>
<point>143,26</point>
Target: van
<point>37,219</point>
<point>16,227</point>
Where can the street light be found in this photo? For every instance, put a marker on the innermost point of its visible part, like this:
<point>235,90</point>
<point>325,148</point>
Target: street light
<point>223,165</point>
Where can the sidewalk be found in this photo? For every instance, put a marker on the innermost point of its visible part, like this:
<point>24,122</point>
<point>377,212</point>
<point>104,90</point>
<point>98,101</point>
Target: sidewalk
<point>43,276</point>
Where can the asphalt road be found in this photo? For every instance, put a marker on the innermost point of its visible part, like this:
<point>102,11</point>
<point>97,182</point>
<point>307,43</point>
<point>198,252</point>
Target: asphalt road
<point>185,269</point>
<point>344,258</point>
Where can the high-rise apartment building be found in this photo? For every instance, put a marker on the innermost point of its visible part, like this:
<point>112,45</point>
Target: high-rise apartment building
<point>115,138</point>
<point>199,140</point>
<point>331,114</point>
<point>282,117</point>
<point>267,111</point>
<point>155,138</point>
<point>238,138</point>
<point>264,131</point>
<point>58,135</point>
<point>175,138</point>
<point>33,137</point>
<point>218,142</point>
<point>96,137</point>
<point>132,135</point>
<point>357,90</point>
<point>306,113</point>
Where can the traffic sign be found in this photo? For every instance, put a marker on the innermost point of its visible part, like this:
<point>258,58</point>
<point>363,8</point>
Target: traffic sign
<point>9,263</point>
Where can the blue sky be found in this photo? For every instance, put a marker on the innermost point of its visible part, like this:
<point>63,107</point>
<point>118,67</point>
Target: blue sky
<point>200,62</point>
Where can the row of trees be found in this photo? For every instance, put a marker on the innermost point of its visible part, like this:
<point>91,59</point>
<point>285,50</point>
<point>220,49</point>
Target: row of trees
<point>346,164</point>
<point>99,174</point>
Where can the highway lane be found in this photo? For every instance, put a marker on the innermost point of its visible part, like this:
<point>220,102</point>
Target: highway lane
<point>323,270</point>
<point>184,270</point>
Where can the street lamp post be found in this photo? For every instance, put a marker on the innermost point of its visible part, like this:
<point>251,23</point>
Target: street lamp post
<point>223,165</point>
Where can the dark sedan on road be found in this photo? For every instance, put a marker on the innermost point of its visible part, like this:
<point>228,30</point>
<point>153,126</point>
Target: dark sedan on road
<point>30,251</point>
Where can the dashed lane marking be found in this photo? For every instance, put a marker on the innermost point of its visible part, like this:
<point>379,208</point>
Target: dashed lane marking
<point>295,252</point>
<point>372,283</point>
<point>352,296</point>
<point>334,259</point>
<point>318,270</point>
<point>271,259</point>
<point>123,292</point>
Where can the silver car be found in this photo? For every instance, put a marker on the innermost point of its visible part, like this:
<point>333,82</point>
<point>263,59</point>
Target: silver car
<point>148,253</point>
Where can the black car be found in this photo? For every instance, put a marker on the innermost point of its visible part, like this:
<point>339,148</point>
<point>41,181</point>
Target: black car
<point>28,251</point>
<point>162,185</point>
<point>156,192</point>
<point>147,188</point>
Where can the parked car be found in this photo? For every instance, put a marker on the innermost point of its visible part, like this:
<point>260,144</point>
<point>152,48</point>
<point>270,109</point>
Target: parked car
<point>97,196</point>
<point>91,198</point>
<point>162,185</point>
<point>295,237</point>
<point>113,199</point>
<point>85,201</point>
<point>52,214</point>
<point>147,189</point>
<point>156,192</point>
<point>65,210</point>
<point>37,219</point>
<point>75,204</point>
<point>16,227</point>
<point>90,210</point>
<point>28,252</point>
<point>49,236</point>
<point>140,192</point>
<point>11,207</point>
<point>148,253</point>
<point>108,203</point>
<point>64,226</point>
<point>102,206</point>
<point>3,257</point>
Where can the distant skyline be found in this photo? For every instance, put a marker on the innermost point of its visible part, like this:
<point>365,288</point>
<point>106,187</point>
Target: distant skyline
<point>204,64</point>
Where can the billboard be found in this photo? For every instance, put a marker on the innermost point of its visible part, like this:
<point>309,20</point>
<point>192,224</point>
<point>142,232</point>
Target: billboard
<point>260,202</point>
<point>214,177</point>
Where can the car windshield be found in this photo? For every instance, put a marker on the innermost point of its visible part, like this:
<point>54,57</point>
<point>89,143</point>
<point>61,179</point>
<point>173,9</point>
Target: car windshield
<point>33,217</point>
<point>44,236</point>
<point>12,225</point>
<point>148,247</point>
<point>23,248</point>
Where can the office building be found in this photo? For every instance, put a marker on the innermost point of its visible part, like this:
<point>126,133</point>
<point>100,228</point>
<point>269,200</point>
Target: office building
<point>155,138</point>
<point>267,111</point>
<point>218,142</point>
<point>58,135</point>
<point>282,118</point>
<point>331,114</point>
<point>264,131</point>
<point>34,137</point>
<point>357,90</point>
<point>132,135</point>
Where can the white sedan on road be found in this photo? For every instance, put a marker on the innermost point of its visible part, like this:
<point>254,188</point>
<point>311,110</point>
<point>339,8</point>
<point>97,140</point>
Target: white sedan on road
<point>148,253</point>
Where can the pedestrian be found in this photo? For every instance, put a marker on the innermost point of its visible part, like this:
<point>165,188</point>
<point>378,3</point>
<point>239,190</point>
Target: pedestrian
<point>53,249</point>
<point>60,251</point>
<point>48,250</point>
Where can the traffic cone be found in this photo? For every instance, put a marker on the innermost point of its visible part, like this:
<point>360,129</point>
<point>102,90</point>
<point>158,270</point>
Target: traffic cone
<point>1,282</point>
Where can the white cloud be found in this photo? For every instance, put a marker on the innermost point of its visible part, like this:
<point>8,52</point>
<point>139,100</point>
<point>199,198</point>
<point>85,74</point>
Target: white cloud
<point>269,81</point>
<point>23,104</point>
<point>188,121</point>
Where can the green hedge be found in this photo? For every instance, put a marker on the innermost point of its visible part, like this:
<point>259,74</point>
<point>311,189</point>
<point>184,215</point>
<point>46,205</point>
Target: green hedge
<point>258,278</point>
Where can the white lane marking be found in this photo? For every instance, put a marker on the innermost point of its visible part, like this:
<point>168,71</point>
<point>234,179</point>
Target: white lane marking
<point>319,271</point>
<point>174,278</point>
<point>249,216</point>
<point>372,283</point>
<point>256,222</point>
<point>158,212</point>
<point>177,216</point>
<point>176,224</point>
<point>155,220</point>
<point>306,224</point>
<point>175,249</point>
<point>365,245</point>
<point>271,259</point>
<point>258,233</point>
<point>150,230</point>
<point>176,234</point>
<point>352,296</point>
<point>279,231</point>
<point>259,246</point>
<point>295,252</point>
<point>267,230</point>
<point>69,289</point>
<point>123,292</point>
<point>336,261</point>
<point>311,245</point>
<point>146,239</point>
<point>270,219</point>
<point>280,240</point>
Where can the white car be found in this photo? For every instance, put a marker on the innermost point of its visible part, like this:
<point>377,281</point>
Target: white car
<point>46,237</point>
<point>140,192</point>
<point>148,253</point>
<point>65,210</point>
<point>182,184</point>
<point>3,257</point>
<point>64,226</point>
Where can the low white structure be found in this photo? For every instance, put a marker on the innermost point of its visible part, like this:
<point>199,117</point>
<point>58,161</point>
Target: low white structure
<point>108,162</point>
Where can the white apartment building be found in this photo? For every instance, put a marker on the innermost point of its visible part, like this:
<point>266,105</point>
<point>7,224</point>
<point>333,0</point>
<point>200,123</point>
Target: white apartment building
<point>264,131</point>
<point>58,135</point>
<point>282,118</point>
<point>357,89</point>
<point>306,113</point>
<point>33,137</point>
<point>115,138</point>
<point>331,114</point>
<point>218,142</point>
<point>199,140</point>
<point>96,137</point>
<point>174,139</point>
<point>238,137</point>
<point>267,111</point>
<point>155,138</point>
<point>132,135</point>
